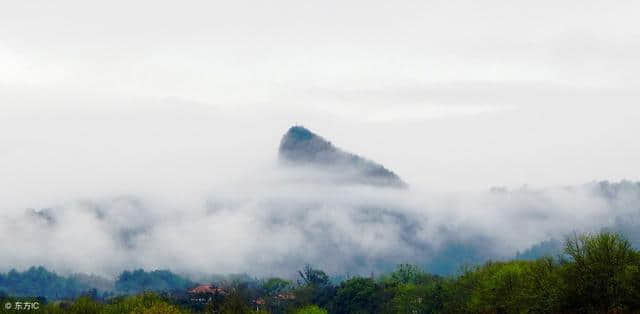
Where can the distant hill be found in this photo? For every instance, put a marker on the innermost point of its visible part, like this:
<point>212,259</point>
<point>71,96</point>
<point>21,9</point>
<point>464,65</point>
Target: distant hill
<point>301,147</point>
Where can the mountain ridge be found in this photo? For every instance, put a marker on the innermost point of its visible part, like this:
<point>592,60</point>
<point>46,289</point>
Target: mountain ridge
<point>300,146</point>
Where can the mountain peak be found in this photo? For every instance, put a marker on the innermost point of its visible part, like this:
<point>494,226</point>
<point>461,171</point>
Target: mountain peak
<point>300,144</point>
<point>299,132</point>
<point>301,147</point>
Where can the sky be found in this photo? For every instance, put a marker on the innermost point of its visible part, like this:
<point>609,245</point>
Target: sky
<point>173,100</point>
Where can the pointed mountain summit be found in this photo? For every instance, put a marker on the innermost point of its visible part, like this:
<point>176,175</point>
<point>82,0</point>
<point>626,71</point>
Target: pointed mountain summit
<point>301,147</point>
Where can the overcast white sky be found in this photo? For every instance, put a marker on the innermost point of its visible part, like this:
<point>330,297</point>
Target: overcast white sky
<point>114,95</point>
<point>183,104</point>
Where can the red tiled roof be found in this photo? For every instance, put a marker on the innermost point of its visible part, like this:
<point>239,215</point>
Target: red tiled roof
<point>206,289</point>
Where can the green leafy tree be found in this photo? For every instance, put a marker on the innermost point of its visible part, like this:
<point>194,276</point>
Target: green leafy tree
<point>498,286</point>
<point>405,274</point>
<point>597,276</point>
<point>358,295</point>
<point>273,286</point>
<point>411,298</point>
<point>315,288</point>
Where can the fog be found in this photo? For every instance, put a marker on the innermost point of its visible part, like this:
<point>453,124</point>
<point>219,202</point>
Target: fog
<point>146,134</point>
<point>199,190</point>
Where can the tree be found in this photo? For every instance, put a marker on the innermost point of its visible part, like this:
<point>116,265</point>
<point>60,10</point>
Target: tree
<point>598,270</point>
<point>358,295</point>
<point>313,277</point>
<point>423,299</point>
<point>406,273</point>
<point>315,287</point>
<point>273,286</point>
<point>497,287</point>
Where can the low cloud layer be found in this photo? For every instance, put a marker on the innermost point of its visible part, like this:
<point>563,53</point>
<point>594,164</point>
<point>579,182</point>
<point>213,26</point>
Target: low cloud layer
<point>277,222</point>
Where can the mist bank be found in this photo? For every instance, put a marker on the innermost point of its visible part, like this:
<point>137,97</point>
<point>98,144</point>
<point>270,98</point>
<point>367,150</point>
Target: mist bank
<point>282,219</point>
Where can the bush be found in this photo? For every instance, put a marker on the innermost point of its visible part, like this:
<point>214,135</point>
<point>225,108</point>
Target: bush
<point>311,309</point>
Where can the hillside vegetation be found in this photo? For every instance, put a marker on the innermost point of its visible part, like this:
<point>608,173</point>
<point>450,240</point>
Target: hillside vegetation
<point>597,273</point>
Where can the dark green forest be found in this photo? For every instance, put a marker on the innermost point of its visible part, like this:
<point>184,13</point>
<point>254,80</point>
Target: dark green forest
<point>595,273</point>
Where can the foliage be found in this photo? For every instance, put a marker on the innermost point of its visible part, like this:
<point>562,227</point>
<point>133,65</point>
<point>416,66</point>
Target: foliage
<point>599,273</point>
<point>313,277</point>
<point>311,309</point>
<point>599,277</point>
<point>358,295</point>
<point>143,303</point>
<point>314,288</point>
<point>147,303</point>
<point>37,281</point>
<point>273,286</point>
<point>157,280</point>
<point>236,303</point>
<point>412,298</point>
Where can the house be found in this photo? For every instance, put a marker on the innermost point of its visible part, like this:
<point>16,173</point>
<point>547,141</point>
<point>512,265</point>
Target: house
<point>204,293</point>
<point>206,289</point>
<point>285,296</point>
